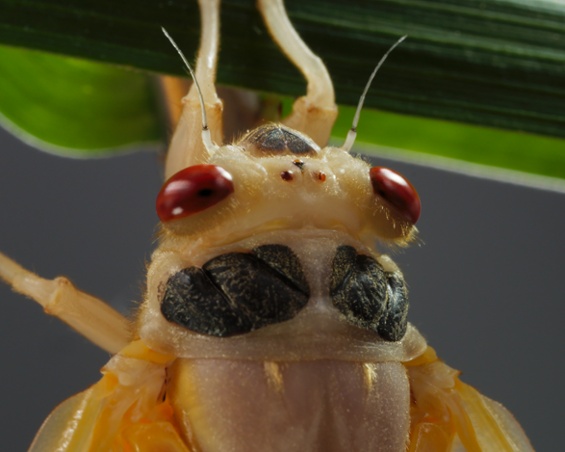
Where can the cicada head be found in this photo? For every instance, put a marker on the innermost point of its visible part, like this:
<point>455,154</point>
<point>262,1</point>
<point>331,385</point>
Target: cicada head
<point>270,242</point>
<point>275,178</point>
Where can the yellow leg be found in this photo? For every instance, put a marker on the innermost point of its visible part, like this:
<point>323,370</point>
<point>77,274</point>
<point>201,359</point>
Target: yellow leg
<point>447,414</point>
<point>88,315</point>
<point>185,150</point>
<point>315,113</point>
<point>127,410</point>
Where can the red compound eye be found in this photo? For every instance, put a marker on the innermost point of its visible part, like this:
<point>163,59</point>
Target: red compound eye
<point>192,190</point>
<point>397,191</point>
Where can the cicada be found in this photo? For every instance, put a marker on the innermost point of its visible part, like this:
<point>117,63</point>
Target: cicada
<point>271,320</point>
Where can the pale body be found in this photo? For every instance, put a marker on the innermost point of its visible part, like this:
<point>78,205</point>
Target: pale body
<point>315,382</point>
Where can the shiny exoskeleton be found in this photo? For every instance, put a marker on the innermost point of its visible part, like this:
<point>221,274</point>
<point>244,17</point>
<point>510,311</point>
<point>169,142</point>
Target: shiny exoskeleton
<point>272,321</point>
<point>368,296</point>
<point>237,293</point>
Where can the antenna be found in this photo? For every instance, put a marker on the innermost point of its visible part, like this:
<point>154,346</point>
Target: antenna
<point>210,146</point>
<point>352,134</point>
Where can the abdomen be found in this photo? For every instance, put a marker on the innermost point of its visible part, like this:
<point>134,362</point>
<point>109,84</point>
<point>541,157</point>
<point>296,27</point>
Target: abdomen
<point>230,405</point>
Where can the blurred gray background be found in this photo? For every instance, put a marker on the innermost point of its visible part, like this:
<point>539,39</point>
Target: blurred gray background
<point>486,285</point>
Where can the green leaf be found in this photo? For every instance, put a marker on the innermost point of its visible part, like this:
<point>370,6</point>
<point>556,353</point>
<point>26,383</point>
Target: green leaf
<point>75,107</point>
<point>495,62</point>
<point>491,62</point>
<point>453,146</point>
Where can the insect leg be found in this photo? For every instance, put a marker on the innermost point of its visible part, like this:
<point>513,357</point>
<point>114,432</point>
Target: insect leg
<point>88,315</point>
<point>186,147</point>
<point>448,414</point>
<point>172,89</point>
<point>313,114</point>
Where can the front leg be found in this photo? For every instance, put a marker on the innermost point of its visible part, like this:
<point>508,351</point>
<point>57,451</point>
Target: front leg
<point>86,314</point>
<point>185,150</point>
<point>313,114</point>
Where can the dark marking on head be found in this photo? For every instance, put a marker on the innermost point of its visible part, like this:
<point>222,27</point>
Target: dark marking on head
<point>287,176</point>
<point>298,163</point>
<point>275,139</point>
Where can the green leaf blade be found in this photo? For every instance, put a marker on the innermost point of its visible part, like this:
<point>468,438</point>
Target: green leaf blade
<point>499,63</point>
<point>76,107</point>
<point>427,138</point>
<point>494,63</point>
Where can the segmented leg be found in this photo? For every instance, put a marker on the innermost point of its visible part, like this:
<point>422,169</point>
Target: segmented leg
<point>88,315</point>
<point>125,411</point>
<point>185,150</point>
<point>315,113</point>
<point>172,90</point>
<point>449,415</point>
